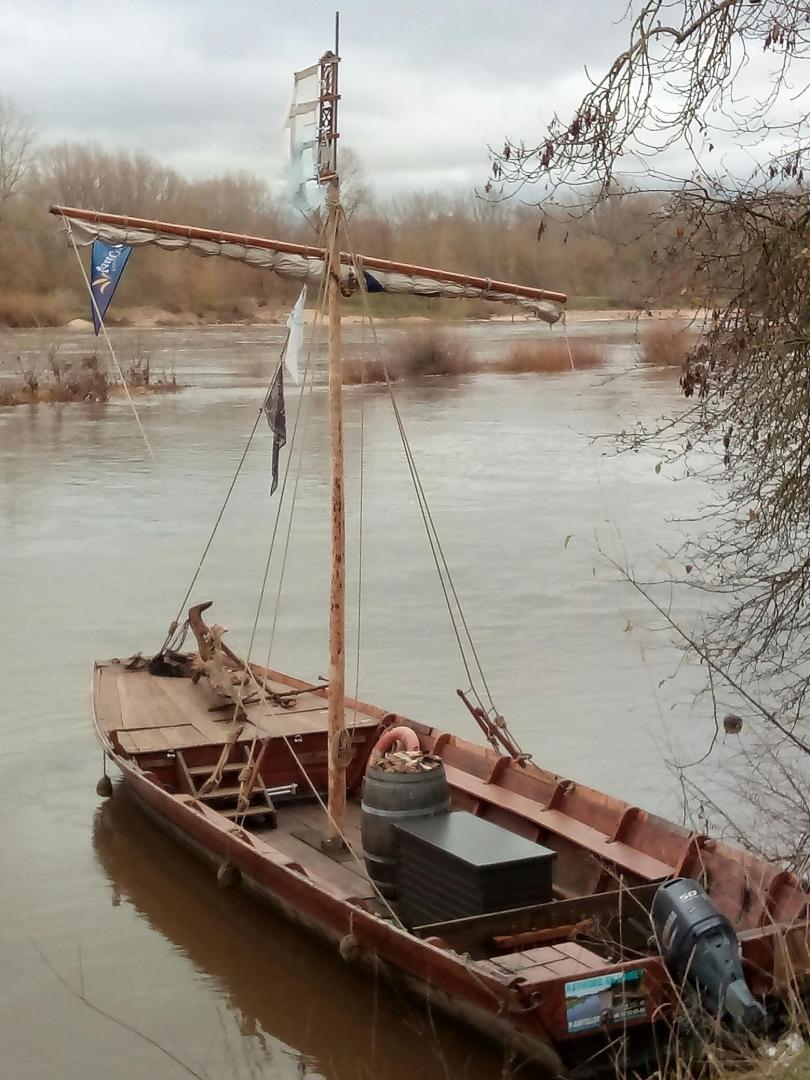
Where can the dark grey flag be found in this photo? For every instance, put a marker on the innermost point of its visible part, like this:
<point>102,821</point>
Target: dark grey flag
<point>277,419</point>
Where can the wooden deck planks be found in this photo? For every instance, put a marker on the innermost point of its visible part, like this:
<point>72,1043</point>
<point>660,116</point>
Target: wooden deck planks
<point>349,877</point>
<point>130,700</point>
<point>108,701</point>
<point>546,962</point>
<point>192,702</point>
<point>143,703</point>
<point>158,739</point>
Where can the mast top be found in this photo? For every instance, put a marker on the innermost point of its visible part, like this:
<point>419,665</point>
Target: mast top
<point>327,113</point>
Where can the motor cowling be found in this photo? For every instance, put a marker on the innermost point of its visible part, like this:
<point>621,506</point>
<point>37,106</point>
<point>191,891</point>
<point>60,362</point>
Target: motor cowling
<point>699,945</point>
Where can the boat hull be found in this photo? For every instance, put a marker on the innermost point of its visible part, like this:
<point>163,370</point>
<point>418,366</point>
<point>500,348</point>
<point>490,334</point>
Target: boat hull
<point>340,929</point>
<point>167,734</point>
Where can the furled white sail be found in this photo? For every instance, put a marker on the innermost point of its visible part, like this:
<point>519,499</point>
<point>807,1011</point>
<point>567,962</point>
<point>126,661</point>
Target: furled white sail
<point>306,264</point>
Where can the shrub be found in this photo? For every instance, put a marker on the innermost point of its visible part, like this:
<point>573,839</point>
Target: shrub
<point>82,380</point>
<point>357,371</point>
<point>430,350</point>
<point>663,346</point>
<point>545,357</point>
<point>24,309</point>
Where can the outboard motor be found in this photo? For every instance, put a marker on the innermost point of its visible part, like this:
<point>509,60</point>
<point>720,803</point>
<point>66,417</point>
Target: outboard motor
<point>699,944</point>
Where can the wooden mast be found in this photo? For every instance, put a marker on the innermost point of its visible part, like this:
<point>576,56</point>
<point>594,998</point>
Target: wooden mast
<point>337,589</point>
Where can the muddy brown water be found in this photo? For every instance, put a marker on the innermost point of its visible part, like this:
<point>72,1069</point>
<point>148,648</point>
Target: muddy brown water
<point>97,549</point>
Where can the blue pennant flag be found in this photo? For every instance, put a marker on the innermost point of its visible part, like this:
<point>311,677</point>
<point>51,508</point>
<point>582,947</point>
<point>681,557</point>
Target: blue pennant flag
<point>107,262</point>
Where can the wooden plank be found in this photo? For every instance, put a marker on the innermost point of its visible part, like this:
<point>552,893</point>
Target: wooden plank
<point>516,962</point>
<point>185,776</point>
<point>143,704</point>
<point>540,937</point>
<point>152,740</point>
<point>635,901</point>
<point>281,722</point>
<point>568,967</point>
<point>192,702</point>
<point>537,973</point>
<point>543,955</point>
<point>349,877</point>
<point>108,700</point>
<point>580,953</point>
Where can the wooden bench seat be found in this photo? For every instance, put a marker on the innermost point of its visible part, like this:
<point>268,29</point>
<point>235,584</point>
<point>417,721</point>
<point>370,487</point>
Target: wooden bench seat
<point>560,824</point>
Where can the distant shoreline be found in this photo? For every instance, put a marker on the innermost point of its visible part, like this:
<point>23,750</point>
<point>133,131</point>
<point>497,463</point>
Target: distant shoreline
<point>153,318</point>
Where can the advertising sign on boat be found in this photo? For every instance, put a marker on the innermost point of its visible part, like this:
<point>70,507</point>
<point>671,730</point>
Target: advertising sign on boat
<point>605,999</point>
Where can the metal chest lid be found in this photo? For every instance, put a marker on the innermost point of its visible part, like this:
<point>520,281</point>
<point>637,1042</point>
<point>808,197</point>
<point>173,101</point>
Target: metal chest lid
<point>473,840</point>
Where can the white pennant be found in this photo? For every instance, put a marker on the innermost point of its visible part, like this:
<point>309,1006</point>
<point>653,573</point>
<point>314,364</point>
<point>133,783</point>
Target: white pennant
<point>295,325</point>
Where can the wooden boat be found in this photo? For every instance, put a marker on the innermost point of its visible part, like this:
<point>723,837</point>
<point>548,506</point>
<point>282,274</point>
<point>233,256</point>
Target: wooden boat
<point>504,972</point>
<point>261,775</point>
<point>273,977</point>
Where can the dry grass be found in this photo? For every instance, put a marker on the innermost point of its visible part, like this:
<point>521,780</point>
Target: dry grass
<point>433,351</point>
<point>664,346</point>
<point>430,350</point>
<point>356,371</point>
<point>25,309</point>
<point>547,357</point>
<point>83,380</point>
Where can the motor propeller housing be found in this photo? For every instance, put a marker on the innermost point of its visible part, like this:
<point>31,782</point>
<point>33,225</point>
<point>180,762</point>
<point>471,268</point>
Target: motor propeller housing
<point>700,946</point>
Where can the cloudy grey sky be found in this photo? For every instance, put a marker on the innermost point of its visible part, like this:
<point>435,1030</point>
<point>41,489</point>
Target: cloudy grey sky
<point>204,85</point>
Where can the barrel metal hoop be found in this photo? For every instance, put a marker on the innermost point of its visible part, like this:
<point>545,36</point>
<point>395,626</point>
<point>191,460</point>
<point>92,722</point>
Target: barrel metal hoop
<point>379,859</point>
<point>399,814</point>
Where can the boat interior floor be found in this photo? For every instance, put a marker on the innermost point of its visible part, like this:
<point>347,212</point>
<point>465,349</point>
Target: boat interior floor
<point>300,829</point>
<point>565,937</point>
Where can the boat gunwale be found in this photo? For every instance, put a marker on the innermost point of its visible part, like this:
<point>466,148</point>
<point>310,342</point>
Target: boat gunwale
<point>603,846</point>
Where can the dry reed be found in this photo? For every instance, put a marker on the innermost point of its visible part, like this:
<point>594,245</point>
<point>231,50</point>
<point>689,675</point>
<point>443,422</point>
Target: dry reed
<point>357,371</point>
<point>27,309</point>
<point>663,346</point>
<point>430,350</point>
<point>547,357</point>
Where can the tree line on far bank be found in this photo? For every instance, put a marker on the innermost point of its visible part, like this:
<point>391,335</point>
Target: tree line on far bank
<point>607,256</point>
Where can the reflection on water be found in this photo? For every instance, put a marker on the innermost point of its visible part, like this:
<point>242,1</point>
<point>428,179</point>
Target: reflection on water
<point>97,549</point>
<point>292,997</point>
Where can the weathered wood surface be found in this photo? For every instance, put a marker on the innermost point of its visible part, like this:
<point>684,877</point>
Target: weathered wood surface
<point>138,703</point>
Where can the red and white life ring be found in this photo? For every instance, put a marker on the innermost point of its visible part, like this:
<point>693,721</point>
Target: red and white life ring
<point>401,738</point>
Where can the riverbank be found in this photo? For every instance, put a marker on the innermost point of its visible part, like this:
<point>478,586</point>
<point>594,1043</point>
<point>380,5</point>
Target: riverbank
<point>18,311</point>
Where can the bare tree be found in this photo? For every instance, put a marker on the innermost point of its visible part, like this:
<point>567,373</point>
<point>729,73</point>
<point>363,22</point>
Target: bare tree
<point>16,150</point>
<point>725,84</point>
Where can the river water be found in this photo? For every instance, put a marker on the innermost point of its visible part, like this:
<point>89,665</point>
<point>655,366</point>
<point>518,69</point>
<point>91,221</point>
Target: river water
<point>97,548</point>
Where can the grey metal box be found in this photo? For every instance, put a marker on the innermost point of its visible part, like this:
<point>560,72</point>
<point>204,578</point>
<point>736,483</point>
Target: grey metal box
<point>454,865</point>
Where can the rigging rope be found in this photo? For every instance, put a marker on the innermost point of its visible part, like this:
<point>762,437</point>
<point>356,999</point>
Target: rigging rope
<point>458,619</point>
<point>232,485</point>
<point>360,512</point>
<point>262,690</point>
<point>313,336</point>
<point>112,350</point>
<point>176,621</point>
<point>292,443</point>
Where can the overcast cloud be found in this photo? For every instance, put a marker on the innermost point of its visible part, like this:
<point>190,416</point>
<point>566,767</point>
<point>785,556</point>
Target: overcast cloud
<point>203,85</point>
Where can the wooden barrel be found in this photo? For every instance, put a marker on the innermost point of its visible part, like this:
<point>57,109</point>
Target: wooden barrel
<point>390,797</point>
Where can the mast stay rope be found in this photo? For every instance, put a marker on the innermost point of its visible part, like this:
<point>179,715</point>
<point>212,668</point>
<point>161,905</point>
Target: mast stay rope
<point>461,630</point>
